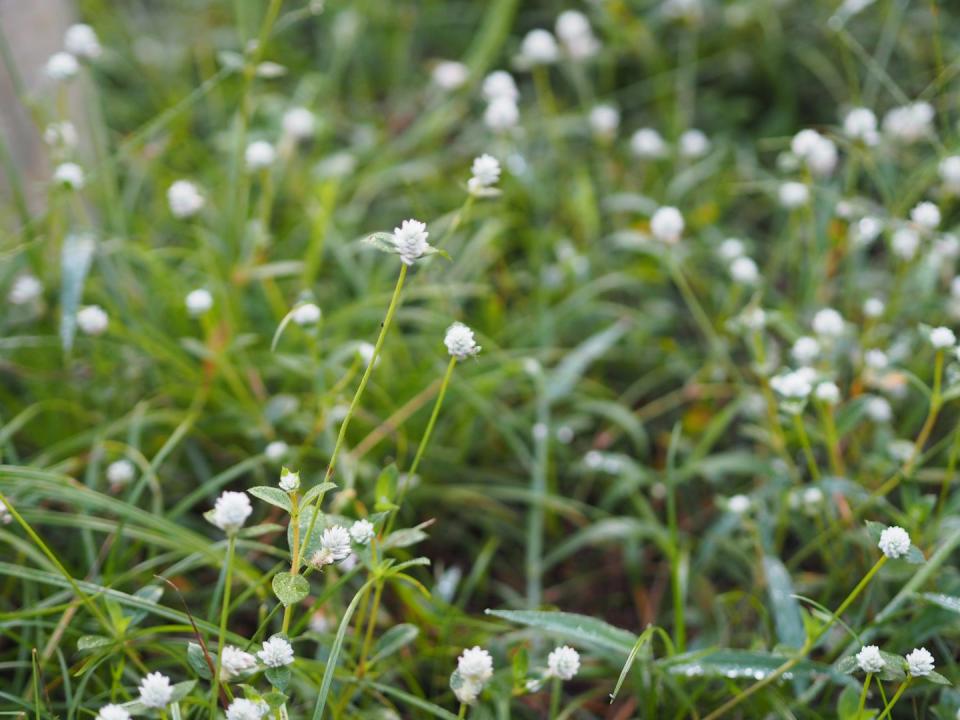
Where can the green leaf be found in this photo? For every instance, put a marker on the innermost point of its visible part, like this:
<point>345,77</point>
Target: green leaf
<point>198,661</point>
<point>947,602</point>
<point>386,489</point>
<point>746,664</point>
<point>561,381</point>
<point>382,241</point>
<point>279,677</point>
<point>577,628</point>
<point>520,666</point>
<point>846,665</point>
<point>786,609</point>
<point>75,259</point>
<point>935,677</point>
<point>93,642</point>
<point>406,536</point>
<point>317,490</point>
<point>289,588</point>
<point>393,639</point>
<point>272,495</point>
<point>275,699</point>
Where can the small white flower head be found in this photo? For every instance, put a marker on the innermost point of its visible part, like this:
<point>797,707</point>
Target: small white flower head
<point>69,175</point>
<point>694,144</point>
<point>156,690</point>
<point>805,350</point>
<point>894,542</point>
<point>6,517</point>
<point>276,451</point>
<point>869,659</point>
<point>501,114</point>
<point>866,230</point>
<point>231,510</point>
<point>819,153</point>
<point>259,155</point>
<point>336,541</point>
<point>113,712</point>
<point>648,143</point>
<point>946,248</point>
<point>753,318</point>
<point>739,504</point>
<point>61,135</point>
<point>860,124</point>
<point>120,473</point>
<point>920,662</point>
<point>485,172</point>
<point>276,652</point>
<point>299,123</point>
<point>942,338</point>
<point>539,47</point>
<point>62,66</point>
<point>464,690</point>
<point>81,41</point>
<point>876,359</point>
<point>793,194</point>
<point>563,662</point>
<point>730,249</point>
<point>92,320</point>
<point>410,240</point>
<point>243,709</point>
<point>909,123</point>
<point>828,323</point>
<point>475,665</point>
<point>949,170</point>
<point>667,224</point>
<point>306,314</point>
<point>744,271</point>
<point>460,341</point>
<point>879,410</point>
<point>792,386</point>
<point>901,449</point>
<point>926,215</point>
<point>365,352</point>
<point>289,480</point>
<point>905,242</point>
<point>604,121</point>
<point>449,75</point>
<point>873,307</point>
<point>362,531</point>
<point>571,24</point>
<point>812,498</point>
<point>26,288</point>
<point>827,393</point>
<point>198,302</point>
<point>500,84</point>
<point>185,199</point>
<point>235,662</point>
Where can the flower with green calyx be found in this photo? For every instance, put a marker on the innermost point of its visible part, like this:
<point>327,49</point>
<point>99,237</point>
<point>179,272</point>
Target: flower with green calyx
<point>474,669</point>
<point>362,532</point>
<point>869,659</point>
<point>289,480</point>
<point>155,690</point>
<point>409,241</point>
<point>920,662</point>
<point>276,652</point>
<point>230,511</point>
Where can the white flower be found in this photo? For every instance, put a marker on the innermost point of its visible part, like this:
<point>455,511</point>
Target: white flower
<point>866,230</point>
<point>942,338</point>
<point>753,318</point>
<point>289,480</point>
<point>648,143</point>
<point>62,66</point>
<point>949,170</point>
<point>738,504</point>
<point>500,84</point>
<point>243,709</point>
<point>905,242</point>
<point>792,385</point>
<point>155,690</point>
<point>25,289</point>
<point>449,74</point>
<point>694,144</point>
<point>185,199</point>
<point>909,123</point>
<point>876,359</point>
<point>920,662</point>
<point>576,35</point>
<point>259,155</point>
<point>894,542</point>
<point>946,247</point>
<point>198,302</point>
<point>465,691</point>
<point>410,241</point>
<point>60,134</point>
<point>604,120</point>
<point>485,172</point>
<point>812,497</point>
<point>827,392</point>
<point>460,341</point>
<point>926,215</point>
<point>475,665</point>
<point>113,712</point>
<point>793,194</point>
<point>861,124</point>
<point>362,531</point>
<point>299,123</point>
<point>92,320</point>
<point>120,472</point>
<point>336,541</point>
<point>819,153</point>
<point>501,114</point>
<point>276,450</point>
<point>828,323</point>
<point>69,175</point>
<point>805,350</point>
<point>730,249</point>
<point>667,224</point>
<point>873,307</point>
<point>231,510</point>
<point>539,48</point>
<point>6,517</point>
<point>235,662</point>
<point>81,41</point>
<point>744,271</point>
<point>879,410</point>
<point>869,659</point>
<point>276,652</point>
<point>306,314</point>
<point>563,662</point>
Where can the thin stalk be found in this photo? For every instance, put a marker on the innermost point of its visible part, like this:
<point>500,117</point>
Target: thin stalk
<point>837,466</point>
<point>936,401</point>
<point>224,612</point>
<point>893,701</point>
<point>294,551</point>
<point>463,711</point>
<point>371,624</point>
<point>863,694</point>
<point>555,688</point>
<point>537,516</point>
<point>807,448</point>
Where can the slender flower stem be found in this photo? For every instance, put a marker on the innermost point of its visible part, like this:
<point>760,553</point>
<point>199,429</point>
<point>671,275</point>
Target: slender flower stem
<point>893,701</point>
<point>555,688</point>
<point>863,694</point>
<point>805,444</point>
<point>294,550</point>
<point>696,309</point>
<point>224,612</point>
<point>936,401</point>
<point>463,711</point>
<point>371,624</point>
<point>833,441</point>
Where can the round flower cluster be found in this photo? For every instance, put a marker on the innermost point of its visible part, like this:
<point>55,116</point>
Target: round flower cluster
<point>410,241</point>
<point>156,691</point>
<point>474,670</point>
<point>563,662</point>
<point>894,542</point>
<point>276,652</point>
<point>501,94</point>
<point>231,511</point>
<point>460,341</point>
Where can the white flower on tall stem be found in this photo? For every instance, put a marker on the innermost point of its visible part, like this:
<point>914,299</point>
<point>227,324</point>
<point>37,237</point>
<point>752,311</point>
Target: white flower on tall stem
<point>485,173</point>
<point>235,662</point>
<point>667,224</point>
<point>410,241</point>
<point>81,41</point>
<point>120,473</point>
<point>92,320</point>
<point>61,135</point>
<point>926,215</point>
<point>231,511</point>
<point>276,450</point>
<point>26,289</point>
<point>539,47</point>
<point>362,531</point>
<point>827,392</point>
<point>460,341</point>
<point>259,155</point>
<point>62,66</point>
<point>647,143</point>
<point>744,271</point>
<point>501,114</point>
<point>69,175</point>
<point>694,144</point>
<point>909,123</point>
<point>243,709</point>
<point>949,171</point>
<point>894,542</point>
<point>198,302</point>
<point>563,662</point>
<point>299,124</point>
<point>449,75</point>
<point>919,662</point>
<point>575,35</point>
<point>113,712</point>
<point>336,541</point>
<point>793,194</point>
<point>156,690</point>
<point>942,338</point>
<point>873,307</point>
<point>500,84</point>
<point>860,124</point>
<point>905,242</point>
<point>276,652</point>
<point>289,480</point>
<point>866,230</point>
<point>604,121</point>
<point>818,153</point>
<point>805,350</point>
<point>185,199</point>
<point>828,323</point>
<point>306,314</point>
<point>475,665</point>
<point>878,410</point>
<point>870,660</point>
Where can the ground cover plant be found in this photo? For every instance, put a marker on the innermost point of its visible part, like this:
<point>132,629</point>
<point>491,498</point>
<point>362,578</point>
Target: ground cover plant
<point>484,359</point>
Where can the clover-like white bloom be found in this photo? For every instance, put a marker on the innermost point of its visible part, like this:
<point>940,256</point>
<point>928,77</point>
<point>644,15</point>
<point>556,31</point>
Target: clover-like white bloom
<point>69,175</point>
<point>920,662</point>
<point>25,289</point>
<point>873,307</point>
<point>694,143</point>
<point>299,123</point>
<point>500,84</point>
<point>794,385</point>
<point>464,690</point>
<point>460,341</point>
<point>926,215</point>
<point>259,155</point>
<point>60,134</point>
<point>604,121</point>
<point>869,659</point>
<point>475,665</point>
<point>156,690</point>
<point>942,338</point>
<point>231,510</point>
<point>730,249</point>
<point>485,172</point>
<point>289,480</point>
<point>909,123</point>
<point>648,143</point>
<point>793,194</point>
<point>739,504</point>
<point>563,662</point>
<point>744,271</point>
<point>275,451</point>
<point>861,124</point>
<point>828,323</point>
<point>92,320</point>
<point>876,359</point>
<point>501,114</point>
<point>185,199</point>
<point>819,153</point>
<point>539,47</point>
<point>235,662</point>
<point>879,410</point>
<point>120,472</point>
<point>805,350</point>
<point>306,314</point>
<point>198,302</point>
<point>866,230</point>
<point>894,542</point>
<point>828,393</point>
<point>62,66</point>
<point>336,541</point>
<point>81,41</point>
<point>410,241</point>
<point>449,75</point>
<point>905,242</point>
<point>113,712</point>
<point>362,531</point>
<point>667,224</point>
<point>949,171</point>
<point>6,517</point>
<point>243,709</point>
<point>276,652</point>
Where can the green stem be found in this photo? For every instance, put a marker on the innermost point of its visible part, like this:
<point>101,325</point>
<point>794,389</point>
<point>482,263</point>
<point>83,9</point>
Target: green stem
<point>893,701</point>
<point>555,692</point>
<point>295,551</point>
<point>696,309</point>
<point>863,694</point>
<point>805,444</point>
<point>463,711</point>
<point>224,613</point>
<point>371,624</point>
<point>935,402</point>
